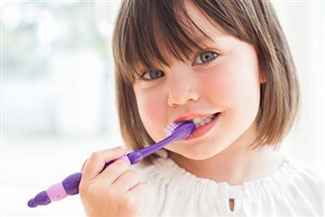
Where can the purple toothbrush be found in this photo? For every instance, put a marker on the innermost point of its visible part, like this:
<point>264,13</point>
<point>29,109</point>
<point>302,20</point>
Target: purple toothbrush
<point>70,185</point>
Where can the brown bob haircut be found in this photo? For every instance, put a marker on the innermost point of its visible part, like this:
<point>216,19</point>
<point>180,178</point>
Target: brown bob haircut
<point>141,23</point>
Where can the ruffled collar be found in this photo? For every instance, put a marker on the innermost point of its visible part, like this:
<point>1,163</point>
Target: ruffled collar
<point>166,171</point>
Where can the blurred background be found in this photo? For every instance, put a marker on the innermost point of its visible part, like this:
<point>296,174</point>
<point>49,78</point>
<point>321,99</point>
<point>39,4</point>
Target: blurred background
<point>58,95</point>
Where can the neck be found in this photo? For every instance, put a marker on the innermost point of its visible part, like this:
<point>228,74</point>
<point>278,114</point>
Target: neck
<point>232,166</point>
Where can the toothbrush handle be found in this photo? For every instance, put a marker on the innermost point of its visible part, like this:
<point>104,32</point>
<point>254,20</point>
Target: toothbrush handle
<point>69,186</point>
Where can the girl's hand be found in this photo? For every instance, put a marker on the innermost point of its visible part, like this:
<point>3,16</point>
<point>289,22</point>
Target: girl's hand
<point>117,191</point>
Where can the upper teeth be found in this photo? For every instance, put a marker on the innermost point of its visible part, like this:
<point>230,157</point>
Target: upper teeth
<point>203,120</point>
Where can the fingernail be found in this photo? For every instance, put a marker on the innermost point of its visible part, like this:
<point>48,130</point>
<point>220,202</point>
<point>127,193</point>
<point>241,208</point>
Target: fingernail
<point>125,159</point>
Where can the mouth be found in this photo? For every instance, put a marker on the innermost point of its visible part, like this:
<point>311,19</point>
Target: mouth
<point>203,125</point>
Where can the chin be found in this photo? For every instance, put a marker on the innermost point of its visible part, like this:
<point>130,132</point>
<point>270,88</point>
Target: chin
<point>198,153</point>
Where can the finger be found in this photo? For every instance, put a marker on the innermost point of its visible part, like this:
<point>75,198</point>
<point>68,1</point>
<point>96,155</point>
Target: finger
<point>112,172</point>
<point>98,160</point>
<point>126,181</point>
<point>84,165</point>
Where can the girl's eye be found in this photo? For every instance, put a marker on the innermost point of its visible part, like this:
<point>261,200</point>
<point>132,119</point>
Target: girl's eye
<point>205,57</point>
<point>152,74</point>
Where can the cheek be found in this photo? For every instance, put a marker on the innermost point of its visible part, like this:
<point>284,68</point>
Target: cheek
<point>235,86</point>
<point>153,112</point>
<point>150,107</point>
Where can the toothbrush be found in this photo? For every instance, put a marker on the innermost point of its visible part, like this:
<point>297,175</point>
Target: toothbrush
<point>70,185</point>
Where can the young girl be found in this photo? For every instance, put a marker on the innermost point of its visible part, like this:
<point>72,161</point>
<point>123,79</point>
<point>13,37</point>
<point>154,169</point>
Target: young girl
<point>226,66</point>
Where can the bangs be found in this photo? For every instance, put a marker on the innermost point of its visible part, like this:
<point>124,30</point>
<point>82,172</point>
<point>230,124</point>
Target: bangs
<point>156,34</point>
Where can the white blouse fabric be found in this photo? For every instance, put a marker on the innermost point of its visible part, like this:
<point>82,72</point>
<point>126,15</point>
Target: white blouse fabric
<point>292,190</point>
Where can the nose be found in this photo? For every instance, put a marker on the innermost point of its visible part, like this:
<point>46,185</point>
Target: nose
<point>183,88</point>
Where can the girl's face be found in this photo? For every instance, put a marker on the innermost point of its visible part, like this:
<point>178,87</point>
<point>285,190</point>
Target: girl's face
<point>219,88</point>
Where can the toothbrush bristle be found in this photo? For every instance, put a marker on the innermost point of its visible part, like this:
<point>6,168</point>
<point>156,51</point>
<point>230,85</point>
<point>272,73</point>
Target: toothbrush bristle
<point>169,130</point>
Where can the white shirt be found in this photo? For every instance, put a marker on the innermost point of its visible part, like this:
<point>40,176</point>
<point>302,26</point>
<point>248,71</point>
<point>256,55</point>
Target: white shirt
<point>292,190</point>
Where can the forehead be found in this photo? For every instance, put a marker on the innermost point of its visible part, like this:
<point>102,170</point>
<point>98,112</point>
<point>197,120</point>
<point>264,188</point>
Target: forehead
<point>205,23</point>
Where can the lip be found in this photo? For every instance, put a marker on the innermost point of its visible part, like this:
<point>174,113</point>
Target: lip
<point>201,131</point>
